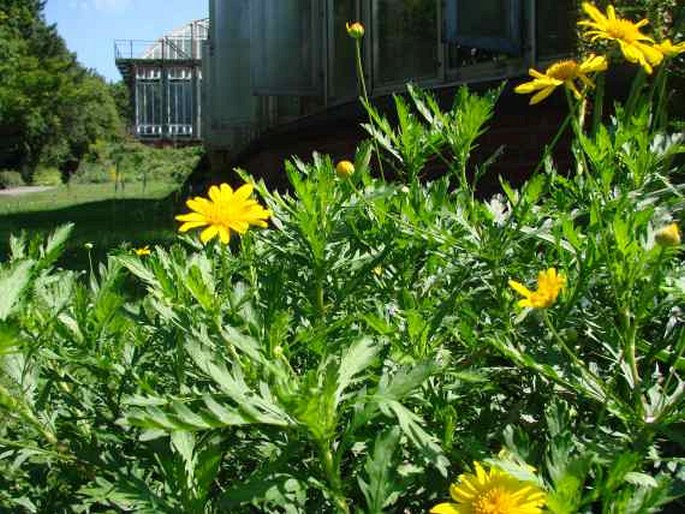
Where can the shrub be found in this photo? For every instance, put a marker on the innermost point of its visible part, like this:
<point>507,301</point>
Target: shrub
<point>138,163</point>
<point>10,178</point>
<point>47,176</point>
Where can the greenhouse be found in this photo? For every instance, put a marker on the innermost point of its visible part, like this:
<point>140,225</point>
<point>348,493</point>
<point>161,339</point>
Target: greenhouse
<point>164,79</point>
<point>430,42</point>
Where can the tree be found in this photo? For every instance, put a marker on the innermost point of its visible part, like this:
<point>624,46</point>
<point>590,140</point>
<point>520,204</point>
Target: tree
<point>51,107</point>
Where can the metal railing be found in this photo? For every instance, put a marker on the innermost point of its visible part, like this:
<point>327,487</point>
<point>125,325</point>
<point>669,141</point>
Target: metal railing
<point>166,49</point>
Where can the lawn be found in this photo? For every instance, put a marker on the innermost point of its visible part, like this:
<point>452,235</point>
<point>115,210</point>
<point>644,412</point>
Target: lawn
<point>102,216</point>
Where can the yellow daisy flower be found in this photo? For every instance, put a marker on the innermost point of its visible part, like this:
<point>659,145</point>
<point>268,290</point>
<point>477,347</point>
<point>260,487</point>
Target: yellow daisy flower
<point>492,492</point>
<point>634,44</point>
<point>669,49</point>
<point>224,211</point>
<point>140,252</point>
<point>668,235</point>
<point>561,73</point>
<point>550,284</point>
<point>355,30</point>
<point>344,169</point>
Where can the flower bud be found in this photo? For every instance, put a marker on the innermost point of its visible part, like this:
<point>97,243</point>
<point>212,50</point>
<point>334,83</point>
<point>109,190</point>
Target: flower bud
<point>88,246</point>
<point>278,351</point>
<point>344,169</point>
<point>668,235</point>
<point>355,30</point>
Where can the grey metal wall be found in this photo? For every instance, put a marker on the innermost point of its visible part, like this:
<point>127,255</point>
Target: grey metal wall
<point>270,61</point>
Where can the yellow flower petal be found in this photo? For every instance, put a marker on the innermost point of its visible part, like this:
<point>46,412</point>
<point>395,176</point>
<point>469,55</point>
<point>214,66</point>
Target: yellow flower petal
<point>244,192</point>
<point>191,216</point>
<point>208,233</point>
<point>594,13</point>
<point>198,204</point>
<point>224,235</point>
<point>191,225</point>
<point>668,49</point>
<point>539,97</point>
<point>214,194</point>
<point>226,192</point>
<point>520,288</point>
<point>446,508</point>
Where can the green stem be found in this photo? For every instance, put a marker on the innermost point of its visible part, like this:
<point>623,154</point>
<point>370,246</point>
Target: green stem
<point>22,410</point>
<point>360,70</point>
<point>333,478</point>
<point>598,109</point>
<point>660,118</point>
<point>572,355</point>
<point>318,294</point>
<point>634,95</point>
<point>630,330</point>
<point>578,363</point>
<point>366,103</point>
<point>550,147</point>
<point>577,128</point>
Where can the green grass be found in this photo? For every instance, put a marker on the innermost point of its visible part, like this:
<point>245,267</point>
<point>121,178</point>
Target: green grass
<point>101,216</point>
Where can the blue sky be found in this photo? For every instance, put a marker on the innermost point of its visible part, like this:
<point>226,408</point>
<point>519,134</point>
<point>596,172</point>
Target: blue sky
<point>91,26</point>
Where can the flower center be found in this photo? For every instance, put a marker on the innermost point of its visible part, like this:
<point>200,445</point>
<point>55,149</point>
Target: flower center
<point>494,501</point>
<point>222,213</point>
<point>563,70</point>
<point>623,30</point>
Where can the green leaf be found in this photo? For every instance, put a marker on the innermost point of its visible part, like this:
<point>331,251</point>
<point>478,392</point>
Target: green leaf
<point>411,425</point>
<point>356,359</point>
<point>13,282</point>
<point>136,266</point>
<point>381,488</point>
<point>406,381</point>
<point>55,244</point>
<point>275,489</point>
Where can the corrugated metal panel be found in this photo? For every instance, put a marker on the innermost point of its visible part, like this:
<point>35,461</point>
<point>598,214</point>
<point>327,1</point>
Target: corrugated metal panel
<point>287,37</point>
<point>230,82</point>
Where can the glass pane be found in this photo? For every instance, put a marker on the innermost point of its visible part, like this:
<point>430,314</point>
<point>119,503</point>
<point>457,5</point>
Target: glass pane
<point>493,25</point>
<point>555,27</point>
<point>342,65</point>
<point>285,47</point>
<point>404,40</point>
<point>148,101</point>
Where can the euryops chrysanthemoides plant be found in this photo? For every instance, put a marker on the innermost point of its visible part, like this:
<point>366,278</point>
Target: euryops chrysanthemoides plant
<point>363,345</point>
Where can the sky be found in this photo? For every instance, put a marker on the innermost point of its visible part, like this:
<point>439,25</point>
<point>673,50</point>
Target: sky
<point>90,26</point>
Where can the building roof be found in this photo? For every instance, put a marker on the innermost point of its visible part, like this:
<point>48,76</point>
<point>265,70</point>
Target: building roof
<point>178,44</point>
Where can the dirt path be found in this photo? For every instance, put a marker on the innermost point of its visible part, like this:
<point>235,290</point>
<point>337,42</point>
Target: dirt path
<point>16,191</point>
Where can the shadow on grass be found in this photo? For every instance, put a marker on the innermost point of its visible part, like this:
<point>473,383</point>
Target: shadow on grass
<point>106,224</point>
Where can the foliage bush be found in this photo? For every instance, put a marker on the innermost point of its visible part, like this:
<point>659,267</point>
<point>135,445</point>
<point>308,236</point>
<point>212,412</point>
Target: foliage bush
<point>371,343</point>
<point>47,176</point>
<point>136,163</point>
<point>10,178</point>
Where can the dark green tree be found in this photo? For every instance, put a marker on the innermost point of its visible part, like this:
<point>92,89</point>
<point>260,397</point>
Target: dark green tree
<point>51,107</point>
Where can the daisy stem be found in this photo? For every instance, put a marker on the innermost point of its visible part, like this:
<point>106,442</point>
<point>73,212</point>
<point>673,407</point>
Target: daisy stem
<point>598,107</point>
<point>550,147</point>
<point>360,70</point>
<point>550,326</point>
<point>660,110</point>
<point>635,88</point>
<point>576,123</point>
<point>579,364</point>
<point>333,477</point>
<point>365,102</point>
